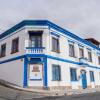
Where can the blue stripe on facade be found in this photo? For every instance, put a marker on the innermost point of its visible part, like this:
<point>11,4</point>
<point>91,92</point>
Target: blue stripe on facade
<point>12,59</point>
<point>45,73</point>
<point>48,56</point>
<point>64,60</point>
<point>55,34</point>
<point>46,23</point>
<point>25,83</point>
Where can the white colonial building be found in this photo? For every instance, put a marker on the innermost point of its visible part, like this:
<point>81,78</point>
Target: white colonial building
<point>38,53</point>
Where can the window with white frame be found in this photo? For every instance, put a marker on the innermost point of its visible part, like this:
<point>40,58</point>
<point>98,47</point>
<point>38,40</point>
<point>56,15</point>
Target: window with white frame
<point>55,44</point>
<point>99,60</point>
<point>73,74</point>
<point>3,50</point>
<point>91,76</point>
<point>56,72</point>
<point>81,52</point>
<point>89,55</point>
<point>71,50</point>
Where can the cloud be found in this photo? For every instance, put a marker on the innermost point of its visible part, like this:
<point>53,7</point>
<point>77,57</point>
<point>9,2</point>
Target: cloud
<point>79,16</point>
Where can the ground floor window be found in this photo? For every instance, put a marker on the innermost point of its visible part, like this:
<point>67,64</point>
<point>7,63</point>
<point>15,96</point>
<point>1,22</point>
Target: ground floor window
<point>56,73</point>
<point>91,76</point>
<point>73,74</point>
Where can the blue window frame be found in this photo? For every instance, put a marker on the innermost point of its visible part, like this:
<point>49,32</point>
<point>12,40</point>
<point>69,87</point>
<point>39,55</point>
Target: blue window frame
<point>91,76</point>
<point>56,73</point>
<point>73,74</point>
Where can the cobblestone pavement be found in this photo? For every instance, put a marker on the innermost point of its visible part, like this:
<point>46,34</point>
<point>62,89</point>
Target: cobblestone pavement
<point>11,94</point>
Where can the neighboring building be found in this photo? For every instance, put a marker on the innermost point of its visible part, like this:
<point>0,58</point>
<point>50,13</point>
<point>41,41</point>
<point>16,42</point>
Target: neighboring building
<point>38,53</point>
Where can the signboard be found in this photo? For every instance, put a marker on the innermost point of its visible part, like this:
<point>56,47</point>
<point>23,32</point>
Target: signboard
<point>35,72</point>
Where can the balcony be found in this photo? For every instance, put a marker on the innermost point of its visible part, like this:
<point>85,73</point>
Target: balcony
<point>35,50</point>
<point>84,62</point>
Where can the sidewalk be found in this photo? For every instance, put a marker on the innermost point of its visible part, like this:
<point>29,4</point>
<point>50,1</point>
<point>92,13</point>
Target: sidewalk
<point>47,92</point>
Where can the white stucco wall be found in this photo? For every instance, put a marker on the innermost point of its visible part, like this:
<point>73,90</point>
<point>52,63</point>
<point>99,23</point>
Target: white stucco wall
<point>65,75</point>
<point>22,36</point>
<point>13,72</point>
<point>47,43</point>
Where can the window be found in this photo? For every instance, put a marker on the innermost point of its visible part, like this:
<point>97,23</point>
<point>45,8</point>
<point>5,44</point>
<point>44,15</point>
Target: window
<point>99,60</point>
<point>73,74</point>
<point>35,38</point>
<point>91,76</point>
<point>89,56</point>
<point>15,45</point>
<point>3,50</point>
<point>36,41</point>
<point>81,51</point>
<point>56,73</point>
<point>55,44</point>
<point>71,50</point>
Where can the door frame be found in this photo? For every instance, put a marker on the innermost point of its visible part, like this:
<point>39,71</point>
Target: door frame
<point>84,79</point>
<point>36,79</point>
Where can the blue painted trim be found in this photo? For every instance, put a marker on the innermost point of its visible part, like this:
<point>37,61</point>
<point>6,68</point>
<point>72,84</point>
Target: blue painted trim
<point>64,60</point>
<point>89,49</point>
<point>45,73</point>
<point>80,45</point>
<point>55,34</point>
<point>35,47</point>
<point>46,23</point>
<point>70,41</point>
<point>35,79</point>
<point>98,54</point>
<point>48,56</point>
<point>25,72</point>
<point>12,59</point>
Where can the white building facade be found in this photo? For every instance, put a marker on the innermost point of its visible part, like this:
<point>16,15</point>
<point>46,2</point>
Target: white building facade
<point>40,54</point>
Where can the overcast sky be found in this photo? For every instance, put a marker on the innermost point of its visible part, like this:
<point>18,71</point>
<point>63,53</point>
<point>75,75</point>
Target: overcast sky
<point>81,17</point>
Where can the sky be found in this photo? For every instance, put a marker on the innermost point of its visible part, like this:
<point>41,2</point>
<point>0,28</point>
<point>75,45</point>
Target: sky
<point>81,17</point>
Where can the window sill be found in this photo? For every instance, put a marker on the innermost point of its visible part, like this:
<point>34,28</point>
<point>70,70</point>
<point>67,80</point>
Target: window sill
<point>89,61</point>
<point>56,80</point>
<point>2,56</point>
<point>75,81</point>
<point>14,52</point>
<point>55,51</point>
<point>72,56</point>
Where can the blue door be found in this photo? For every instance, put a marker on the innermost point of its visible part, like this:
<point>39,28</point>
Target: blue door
<point>84,79</point>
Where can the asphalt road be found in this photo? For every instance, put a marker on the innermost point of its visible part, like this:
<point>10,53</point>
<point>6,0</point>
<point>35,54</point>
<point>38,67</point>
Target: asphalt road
<point>11,94</point>
<point>90,96</point>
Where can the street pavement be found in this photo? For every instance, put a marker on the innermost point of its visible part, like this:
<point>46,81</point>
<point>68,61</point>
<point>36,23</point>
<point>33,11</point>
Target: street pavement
<point>12,94</point>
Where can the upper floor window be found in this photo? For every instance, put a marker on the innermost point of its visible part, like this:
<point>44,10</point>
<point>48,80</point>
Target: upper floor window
<point>36,38</point>
<point>36,41</point>
<point>3,50</point>
<point>81,52</point>
<point>15,45</point>
<point>89,56</point>
<point>71,50</point>
<point>91,76</point>
<point>55,44</point>
<point>99,60</point>
<point>56,73</point>
<point>73,74</point>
